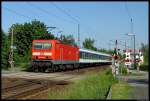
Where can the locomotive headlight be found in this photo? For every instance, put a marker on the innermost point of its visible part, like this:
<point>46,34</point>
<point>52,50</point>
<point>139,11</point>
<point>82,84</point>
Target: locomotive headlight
<point>36,53</point>
<point>47,53</point>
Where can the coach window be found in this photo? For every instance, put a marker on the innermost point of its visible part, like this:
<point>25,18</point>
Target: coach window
<point>91,56</point>
<point>83,55</point>
<point>88,55</point>
<point>97,57</point>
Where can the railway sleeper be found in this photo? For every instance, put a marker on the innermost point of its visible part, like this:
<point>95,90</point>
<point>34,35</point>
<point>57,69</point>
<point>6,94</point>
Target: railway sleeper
<point>24,92</point>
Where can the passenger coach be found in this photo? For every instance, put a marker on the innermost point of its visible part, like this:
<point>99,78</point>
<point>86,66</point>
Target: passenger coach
<point>93,57</point>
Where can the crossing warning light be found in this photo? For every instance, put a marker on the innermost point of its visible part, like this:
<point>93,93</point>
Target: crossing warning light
<point>128,59</point>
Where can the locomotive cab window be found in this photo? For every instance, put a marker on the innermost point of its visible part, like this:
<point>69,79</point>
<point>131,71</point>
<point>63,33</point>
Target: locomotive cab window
<point>47,45</point>
<point>38,45</point>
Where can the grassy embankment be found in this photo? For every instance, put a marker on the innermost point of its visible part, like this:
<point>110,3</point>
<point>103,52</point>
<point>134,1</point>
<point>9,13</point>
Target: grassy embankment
<point>95,86</point>
<point>20,67</point>
<point>121,90</point>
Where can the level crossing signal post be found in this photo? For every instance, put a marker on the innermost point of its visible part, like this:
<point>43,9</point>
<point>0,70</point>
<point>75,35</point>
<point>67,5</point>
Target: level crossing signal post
<point>115,61</point>
<point>138,59</point>
<point>128,59</point>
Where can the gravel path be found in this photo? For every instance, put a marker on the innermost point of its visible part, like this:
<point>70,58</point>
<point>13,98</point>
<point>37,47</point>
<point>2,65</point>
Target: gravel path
<point>139,84</point>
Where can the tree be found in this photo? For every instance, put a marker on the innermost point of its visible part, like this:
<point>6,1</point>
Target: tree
<point>145,49</point>
<point>89,44</point>
<point>106,51</point>
<point>5,47</point>
<point>68,39</point>
<point>23,36</point>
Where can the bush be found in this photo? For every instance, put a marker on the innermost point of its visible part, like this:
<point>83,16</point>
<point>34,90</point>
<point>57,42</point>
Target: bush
<point>124,70</point>
<point>144,67</point>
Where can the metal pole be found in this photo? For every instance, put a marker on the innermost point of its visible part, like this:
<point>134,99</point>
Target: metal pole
<point>11,50</point>
<point>78,35</point>
<point>134,42</point>
<point>78,41</point>
<point>125,45</point>
<point>116,48</point>
<point>132,33</point>
<point>116,54</point>
<point>134,51</point>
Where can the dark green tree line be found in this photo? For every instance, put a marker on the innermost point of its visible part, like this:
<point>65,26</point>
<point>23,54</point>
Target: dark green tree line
<point>68,39</point>
<point>145,49</point>
<point>89,44</point>
<point>5,47</point>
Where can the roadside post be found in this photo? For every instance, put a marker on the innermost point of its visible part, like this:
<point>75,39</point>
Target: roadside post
<point>10,60</point>
<point>113,64</point>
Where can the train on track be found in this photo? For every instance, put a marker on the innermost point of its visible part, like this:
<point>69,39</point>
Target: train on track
<point>53,55</point>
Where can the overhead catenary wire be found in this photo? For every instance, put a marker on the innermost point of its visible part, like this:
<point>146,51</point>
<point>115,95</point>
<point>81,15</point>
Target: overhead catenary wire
<point>33,13</point>
<point>49,13</point>
<point>73,18</point>
<point>64,11</point>
<point>70,16</point>
<point>19,14</point>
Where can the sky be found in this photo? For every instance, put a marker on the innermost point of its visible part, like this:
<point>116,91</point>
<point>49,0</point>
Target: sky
<point>101,21</point>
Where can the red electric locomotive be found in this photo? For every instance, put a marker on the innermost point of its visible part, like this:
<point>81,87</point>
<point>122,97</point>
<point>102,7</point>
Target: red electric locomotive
<point>53,55</point>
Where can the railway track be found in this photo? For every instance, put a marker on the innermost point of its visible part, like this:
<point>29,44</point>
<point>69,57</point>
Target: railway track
<point>22,87</point>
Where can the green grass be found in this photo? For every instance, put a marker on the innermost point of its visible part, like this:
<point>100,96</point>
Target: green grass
<point>93,86</point>
<point>121,90</point>
<point>18,67</point>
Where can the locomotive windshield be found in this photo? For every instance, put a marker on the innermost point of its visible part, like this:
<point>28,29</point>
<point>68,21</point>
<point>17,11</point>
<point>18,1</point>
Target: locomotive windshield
<point>42,45</point>
<point>47,45</point>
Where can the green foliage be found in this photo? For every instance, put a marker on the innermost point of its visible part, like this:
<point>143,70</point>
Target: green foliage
<point>145,49</point>
<point>23,36</point>
<point>144,67</point>
<point>105,51</point>
<point>89,44</point>
<point>68,40</point>
<point>123,69</point>
<point>25,33</point>
<point>5,47</point>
